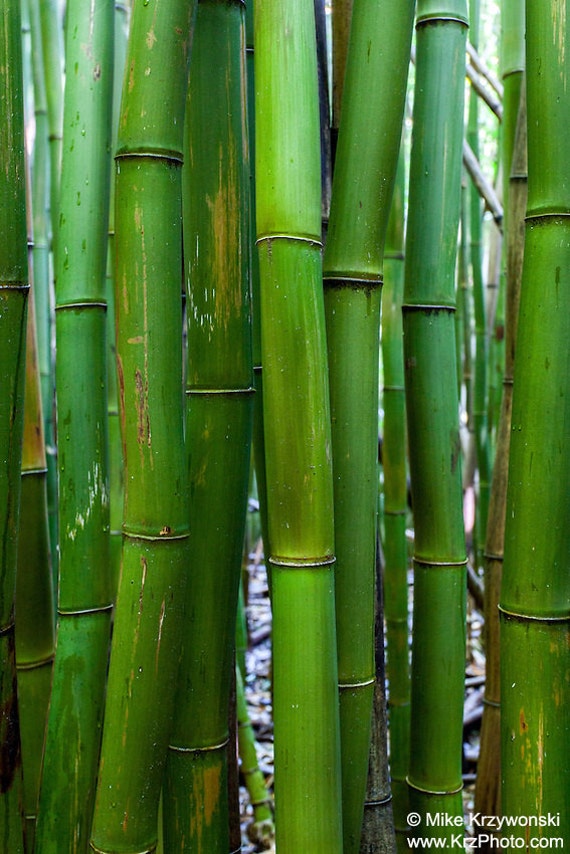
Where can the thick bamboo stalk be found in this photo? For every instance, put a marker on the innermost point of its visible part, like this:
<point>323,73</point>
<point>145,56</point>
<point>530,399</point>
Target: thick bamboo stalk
<point>438,645</point>
<point>297,431</point>
<point>364,176</point>
<point>219,400</point>
<point>145,651</point>
<point>13,311</point>
<point>535,591</point>
<point>394,463</point>
<point>84,595</point>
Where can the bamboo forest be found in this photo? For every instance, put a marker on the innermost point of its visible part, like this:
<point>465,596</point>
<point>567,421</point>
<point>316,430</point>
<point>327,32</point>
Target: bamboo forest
<point>284,454</point>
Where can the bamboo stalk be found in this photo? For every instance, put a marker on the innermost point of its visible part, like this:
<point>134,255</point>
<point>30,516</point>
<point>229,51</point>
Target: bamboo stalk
<point>512,63</point>
<point>145,651</point>
<point>378,832</point>
<point>84,595</point>
<point>364,176</point>
<point>262,830</point>
<point>13,311</point>
<point>394,462</point>
<point>219,395</point>
<point>35,629</point>
<point>480,386</point>
<point>297,430</point>
<point>438,644</point>
<point>488,790</point>
<point>535,592</point>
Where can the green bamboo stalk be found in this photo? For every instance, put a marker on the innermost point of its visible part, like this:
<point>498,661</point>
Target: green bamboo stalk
<point>13,311</point>
<point>35,629</point>
<point>84,594</point>
<point>365,170</point>
<point>40,169</point>
<point>488,787</point>
<point>116,482</point>
<point>262,830</point>
<point>438,644</point>
<point>480,386</point>
<point>258,429</point>
<point>146,636</point>
<point>512,62</point>
<point>535,592</point>
<point>219,394</point>
<point>53,53</point>
<point>51,26</point>
<point>297,430</point>
<point>394,462</point>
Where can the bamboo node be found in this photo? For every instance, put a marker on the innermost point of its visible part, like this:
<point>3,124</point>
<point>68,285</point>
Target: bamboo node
<point>442,564</point>
<point>417,788</point>
<point>533,618</point>
<point>315,241</point>
<point>347,686</point>
<point>97,850</point>
<point>302,563</point>
<point>379,802</point>
<point>353,282</point>
<point>208,748</point>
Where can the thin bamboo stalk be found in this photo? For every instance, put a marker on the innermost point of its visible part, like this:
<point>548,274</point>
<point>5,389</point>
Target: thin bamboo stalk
<point>378,832</point>
<point>145,651</point>
<point>535,593</point>
<point>297,430</point>
<point>116,481</point>
<point>438,644</point>
<point>13,311</point>
<point>219,395</point>
<point>262,829</point>
<point>35,629</point>
<point>84,594</point>
<point>394,463</point>
<point>480,386</point>
<point>488,790</point>
<point>364,176</point>
<point>52,37</point>
<point>512,63</point>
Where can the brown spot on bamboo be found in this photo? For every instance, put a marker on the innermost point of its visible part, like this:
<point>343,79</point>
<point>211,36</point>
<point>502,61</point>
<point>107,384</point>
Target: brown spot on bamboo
<point>141,403</point>
<point>523,725</point>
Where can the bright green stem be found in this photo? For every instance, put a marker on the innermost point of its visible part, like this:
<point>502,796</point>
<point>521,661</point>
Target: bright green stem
<point>13,311</point>
<point>297,431</point>
<point>116,483</point>
<point>83,595</point>
<point>438,646</point>
<point>535,590</point>
<point>364,176</point>
<point>145,651</point>
<point>394,462</point>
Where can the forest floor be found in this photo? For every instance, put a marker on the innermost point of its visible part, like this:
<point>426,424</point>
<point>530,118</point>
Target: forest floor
<point>258,689</point>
